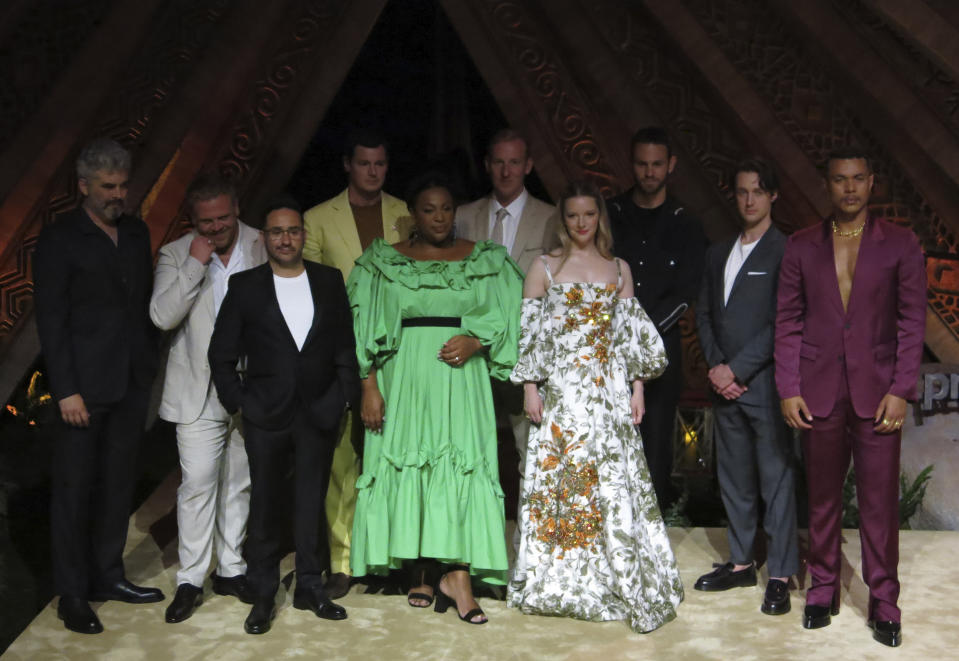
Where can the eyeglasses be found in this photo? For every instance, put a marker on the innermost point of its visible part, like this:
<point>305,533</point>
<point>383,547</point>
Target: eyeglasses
<point>276,233</point>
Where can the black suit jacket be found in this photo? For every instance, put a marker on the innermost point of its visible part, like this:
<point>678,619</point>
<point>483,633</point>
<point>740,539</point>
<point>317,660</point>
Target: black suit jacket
<point>321,378</point>
<point>92,303</point>
<point>741,333</point>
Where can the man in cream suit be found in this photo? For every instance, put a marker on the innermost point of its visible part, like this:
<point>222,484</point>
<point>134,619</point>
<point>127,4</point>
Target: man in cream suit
<point>512,217</point>
<point>213,500</point>
<point>509,216</point>
<point>337,232</point>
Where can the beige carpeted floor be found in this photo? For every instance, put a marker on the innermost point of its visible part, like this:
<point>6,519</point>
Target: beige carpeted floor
<point>725,626</point>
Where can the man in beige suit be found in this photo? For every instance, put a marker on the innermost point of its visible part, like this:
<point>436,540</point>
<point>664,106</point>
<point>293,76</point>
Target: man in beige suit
<point>337,232</point>
<point>510,216</point>
<point>213,500</point>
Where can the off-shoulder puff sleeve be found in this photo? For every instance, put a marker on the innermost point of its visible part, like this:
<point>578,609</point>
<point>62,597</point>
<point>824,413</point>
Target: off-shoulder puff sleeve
<point>494,320</point>
<point>376,316</point>
<point>637,341</point>
<point>533,339</point>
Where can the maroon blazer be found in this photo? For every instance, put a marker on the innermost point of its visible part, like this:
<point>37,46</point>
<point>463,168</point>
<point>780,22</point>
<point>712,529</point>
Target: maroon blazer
<point>880,335</point>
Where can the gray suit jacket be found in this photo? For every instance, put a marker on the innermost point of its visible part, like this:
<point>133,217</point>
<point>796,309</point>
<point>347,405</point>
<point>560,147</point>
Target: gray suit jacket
<point>534,236</point>
<point>741,332</point>
<point>182,302</point>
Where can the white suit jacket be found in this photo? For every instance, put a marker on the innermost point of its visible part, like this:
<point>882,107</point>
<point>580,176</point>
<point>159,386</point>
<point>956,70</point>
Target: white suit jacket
<point>534,235</point>
<point>182,302</point>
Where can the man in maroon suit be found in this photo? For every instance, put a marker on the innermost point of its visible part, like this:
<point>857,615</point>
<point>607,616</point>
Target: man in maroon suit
<point>849,332</point>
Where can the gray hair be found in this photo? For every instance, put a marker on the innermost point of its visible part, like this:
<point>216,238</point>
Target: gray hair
<point>102,155</point>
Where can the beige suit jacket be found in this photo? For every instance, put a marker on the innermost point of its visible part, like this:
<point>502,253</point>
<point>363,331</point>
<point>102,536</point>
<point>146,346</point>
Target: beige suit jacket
<point>331,235</point>
<point>534,236</point>
<point>182,302</point>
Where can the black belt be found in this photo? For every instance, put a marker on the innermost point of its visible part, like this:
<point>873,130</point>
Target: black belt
<point>450,322</point>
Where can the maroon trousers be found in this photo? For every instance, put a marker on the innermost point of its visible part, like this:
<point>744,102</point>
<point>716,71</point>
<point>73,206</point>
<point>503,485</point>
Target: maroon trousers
<point>828,447</point>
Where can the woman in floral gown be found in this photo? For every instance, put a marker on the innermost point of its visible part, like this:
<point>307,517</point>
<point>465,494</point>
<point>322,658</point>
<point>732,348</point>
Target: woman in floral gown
<point>435,317</point>
<point>592,542</point>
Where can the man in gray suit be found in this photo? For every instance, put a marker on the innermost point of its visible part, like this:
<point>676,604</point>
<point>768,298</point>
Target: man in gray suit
<point>509,215</point>
<point>736,317</point>
<point>213,500</point>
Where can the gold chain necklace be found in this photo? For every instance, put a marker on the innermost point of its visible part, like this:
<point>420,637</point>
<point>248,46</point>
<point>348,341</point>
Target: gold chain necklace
<point>850,233</point>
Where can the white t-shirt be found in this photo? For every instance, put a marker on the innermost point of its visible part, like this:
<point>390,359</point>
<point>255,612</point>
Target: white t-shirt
<point>296,304</point>
<point>734,263</point>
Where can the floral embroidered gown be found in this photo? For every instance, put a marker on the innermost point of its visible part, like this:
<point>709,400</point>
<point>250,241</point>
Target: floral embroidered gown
<point>592,542</point>
<point>430,482</point>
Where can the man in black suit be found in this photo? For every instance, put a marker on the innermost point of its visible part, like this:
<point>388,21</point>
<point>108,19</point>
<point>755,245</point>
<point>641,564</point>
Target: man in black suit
<point>736,316</point>
<point>93,275</point>
<point>291,320</point>
<point>664,246</point>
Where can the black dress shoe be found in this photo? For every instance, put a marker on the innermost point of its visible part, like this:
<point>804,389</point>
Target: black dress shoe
<point>776,599</point>
<point>886,632</point>
<point>78,616</point>
<point>124,590</point>
<point>261,615</point>
<point>235,586</point>
<point>337,585</point>
<point>724,578</point>
<point>185,601</point>
<point>317,601</point>
<point>817,617</point>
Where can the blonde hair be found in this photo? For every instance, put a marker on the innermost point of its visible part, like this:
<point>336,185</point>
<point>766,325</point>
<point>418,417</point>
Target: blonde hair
<point>603,237</point>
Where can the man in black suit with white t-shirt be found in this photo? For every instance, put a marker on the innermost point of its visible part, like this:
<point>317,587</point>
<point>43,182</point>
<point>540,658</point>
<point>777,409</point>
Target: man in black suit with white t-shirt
<point>291,320</point>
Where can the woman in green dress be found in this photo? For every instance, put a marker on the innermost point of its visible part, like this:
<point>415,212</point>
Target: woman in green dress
<point>435,317</point>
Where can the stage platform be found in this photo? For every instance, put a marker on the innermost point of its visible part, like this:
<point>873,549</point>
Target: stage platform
<point>726,626</point>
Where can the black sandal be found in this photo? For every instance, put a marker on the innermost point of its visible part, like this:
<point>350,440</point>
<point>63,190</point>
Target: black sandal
<point>424,570</point>
<point>444,601</point>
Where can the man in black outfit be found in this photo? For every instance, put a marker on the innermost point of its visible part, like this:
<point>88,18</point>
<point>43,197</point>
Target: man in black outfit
<point>665,248</point>
<point>93,275</point>
<point>291,320</point>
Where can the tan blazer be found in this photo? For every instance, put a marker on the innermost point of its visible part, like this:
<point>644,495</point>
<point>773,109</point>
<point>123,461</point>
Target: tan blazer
<point>534,236</point>
<point>331,235</point>
<point>182,302</point>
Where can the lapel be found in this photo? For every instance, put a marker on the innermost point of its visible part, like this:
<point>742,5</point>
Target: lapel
<point>317,309</point>
<point>719,271</point>
<point>869,246</point>
<point>481,221</point>
<point>344,225</point>
<point>755,256</point>
<point>825,263</point>
<point>525,234</point>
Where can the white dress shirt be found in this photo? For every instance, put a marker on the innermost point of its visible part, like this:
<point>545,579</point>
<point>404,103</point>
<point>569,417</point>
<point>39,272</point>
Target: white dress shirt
<point>514,210</point>
<point>220,273</point>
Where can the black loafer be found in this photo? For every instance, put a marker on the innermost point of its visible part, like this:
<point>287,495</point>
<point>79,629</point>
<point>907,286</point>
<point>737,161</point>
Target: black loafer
<point>261,616</point>
<point>337,585</point>
<point>776,599</point>
<point>124,590</point>
<point>235,586</point>
<point>185,601</point>
<point>724,578</point>
<point>887,632</point>
<point>817,617</point>
<point>317,601</point>
<point>78,616</point>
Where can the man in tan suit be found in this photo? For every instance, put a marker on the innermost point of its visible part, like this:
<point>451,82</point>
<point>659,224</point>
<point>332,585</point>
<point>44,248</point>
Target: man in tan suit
<point>213,500</point>
<point>337,232</point>
<point>512,217</point>
<point>509,215</point>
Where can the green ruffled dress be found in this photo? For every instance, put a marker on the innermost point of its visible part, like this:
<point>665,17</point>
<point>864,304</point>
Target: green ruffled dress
<point>430,481</point>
